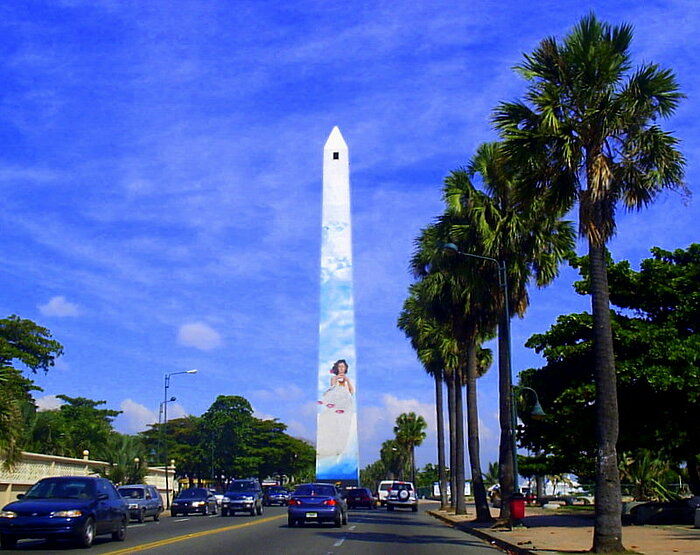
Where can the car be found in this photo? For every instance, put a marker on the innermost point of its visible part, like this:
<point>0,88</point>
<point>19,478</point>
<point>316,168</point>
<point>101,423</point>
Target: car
<point>275,495</point>
<point>402,494</point>
<point>383,491</point>
<point>243,495</point>
<point>194,500</point>
<point>75,508</point>
<point>143,500</point>
<point>359,497</point>
<point>317,503</point>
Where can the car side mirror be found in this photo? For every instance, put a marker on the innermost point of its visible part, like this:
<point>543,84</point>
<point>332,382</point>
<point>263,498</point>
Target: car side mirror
<point>20,495</point>
<point>102,496</point>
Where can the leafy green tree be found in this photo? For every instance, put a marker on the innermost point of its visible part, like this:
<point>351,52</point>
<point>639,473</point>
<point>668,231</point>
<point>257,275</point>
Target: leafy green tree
<point>587,132</point>
<point>656,344</point>
<point>410,433</point>
<point>491,476</point>
<point>372,474</point>
<point>229,421</point>
<point>25,343</point>
<point>394,459</point>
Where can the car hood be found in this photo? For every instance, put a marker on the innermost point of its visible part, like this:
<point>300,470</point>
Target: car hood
<point>42,506</point>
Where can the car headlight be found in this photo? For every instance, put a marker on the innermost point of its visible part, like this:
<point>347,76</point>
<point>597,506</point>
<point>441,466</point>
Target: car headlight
<point>71,513</point>
<point>226,499</point>
<point>8,514</point>
<point>133,505</point>
<point>247,498</point>
<point>197,503</point>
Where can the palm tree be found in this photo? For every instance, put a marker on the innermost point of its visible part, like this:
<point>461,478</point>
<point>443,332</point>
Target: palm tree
<point>410,433</point>
<point>586,132</point>
<point>528,242</point>
<point>426,337</point>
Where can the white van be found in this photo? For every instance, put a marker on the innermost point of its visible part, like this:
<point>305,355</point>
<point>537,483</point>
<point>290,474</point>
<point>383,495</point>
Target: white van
<point>383,490</point>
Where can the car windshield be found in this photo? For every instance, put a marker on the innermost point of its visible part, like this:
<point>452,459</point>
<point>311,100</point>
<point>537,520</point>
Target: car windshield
<point>190,493</point>
<point>56,488</point>
<point>131,493</point>
<point>241,486</point>
<point>327,491</point>
<point>357,492</point>
<point>278,490</point>
<point>399,487</point>
<point>384,487</point>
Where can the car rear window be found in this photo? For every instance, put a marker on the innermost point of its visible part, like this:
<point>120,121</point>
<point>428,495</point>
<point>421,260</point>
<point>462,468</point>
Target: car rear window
<point>328,491</point>
<point>131,493</point>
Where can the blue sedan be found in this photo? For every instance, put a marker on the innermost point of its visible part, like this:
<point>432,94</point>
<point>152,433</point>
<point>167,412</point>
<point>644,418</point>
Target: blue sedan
<point>76,508</point>
<point>316,503</point>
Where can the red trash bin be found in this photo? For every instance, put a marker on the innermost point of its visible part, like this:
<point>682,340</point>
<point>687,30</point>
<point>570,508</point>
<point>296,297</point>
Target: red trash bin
<point>517,506</point>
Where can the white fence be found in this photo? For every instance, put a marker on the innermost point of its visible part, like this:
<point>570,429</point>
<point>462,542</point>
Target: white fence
<point>34,466</point>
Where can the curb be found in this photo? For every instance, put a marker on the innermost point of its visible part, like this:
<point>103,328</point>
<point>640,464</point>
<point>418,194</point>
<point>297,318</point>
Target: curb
<point>491,540</point>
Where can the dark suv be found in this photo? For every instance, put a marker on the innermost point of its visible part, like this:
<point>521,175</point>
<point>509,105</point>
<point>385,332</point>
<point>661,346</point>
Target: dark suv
<point>243,495</point>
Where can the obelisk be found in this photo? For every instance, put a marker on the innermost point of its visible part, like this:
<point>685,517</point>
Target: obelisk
<point>337,453</point>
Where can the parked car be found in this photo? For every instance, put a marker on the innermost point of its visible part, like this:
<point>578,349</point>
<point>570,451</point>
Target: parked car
<point>142,500</point>
<point>360,497</point>
<point>194,500</point>
<point>275,495</point>
<point>243,495</point>
<point>402,494</point>
<point>76,508</point>
<point>316,503</point>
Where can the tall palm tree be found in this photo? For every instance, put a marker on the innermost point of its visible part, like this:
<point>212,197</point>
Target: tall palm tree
<point>487,219</point>
<point>426,337</point>
<point>586,133</point>
<point>410,433</point>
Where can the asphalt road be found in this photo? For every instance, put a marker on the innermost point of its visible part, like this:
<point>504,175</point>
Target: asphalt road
<point>369,532</point>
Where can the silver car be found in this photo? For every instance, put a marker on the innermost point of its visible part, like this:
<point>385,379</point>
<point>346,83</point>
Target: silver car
<point>143,501</point>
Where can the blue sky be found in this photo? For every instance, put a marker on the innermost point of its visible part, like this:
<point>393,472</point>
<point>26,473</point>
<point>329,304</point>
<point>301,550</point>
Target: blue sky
<point>160,177</point>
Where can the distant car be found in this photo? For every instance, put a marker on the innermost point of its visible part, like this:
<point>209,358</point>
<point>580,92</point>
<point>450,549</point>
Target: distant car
<point>194,500</point>
<point>143,501</point>
<point>383,491</point>
<point>76,508</point>
<point>360,497</point>
<point>243,495</point>
<point>316,503</point>
<point>402,494</point>
<point>275,495</point>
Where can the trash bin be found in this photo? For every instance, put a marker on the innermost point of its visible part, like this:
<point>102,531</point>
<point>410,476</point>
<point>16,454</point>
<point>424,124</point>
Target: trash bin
<point>517,506</point>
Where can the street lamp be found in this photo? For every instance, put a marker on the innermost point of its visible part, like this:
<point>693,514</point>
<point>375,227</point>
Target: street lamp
<point>165,424</point>
<point>505,393</point>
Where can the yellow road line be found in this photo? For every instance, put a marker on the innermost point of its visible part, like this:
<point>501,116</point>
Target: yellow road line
<point>168,541</point>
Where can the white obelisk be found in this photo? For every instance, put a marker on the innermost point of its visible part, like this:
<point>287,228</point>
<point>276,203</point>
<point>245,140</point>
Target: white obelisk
<point>337,454</point>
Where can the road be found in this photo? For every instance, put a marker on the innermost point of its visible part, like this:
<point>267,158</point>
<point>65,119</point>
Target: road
<point>375,532</point>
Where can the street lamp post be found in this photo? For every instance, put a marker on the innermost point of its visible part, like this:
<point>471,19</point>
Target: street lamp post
<point>165,424</point>
<point>507,423</point>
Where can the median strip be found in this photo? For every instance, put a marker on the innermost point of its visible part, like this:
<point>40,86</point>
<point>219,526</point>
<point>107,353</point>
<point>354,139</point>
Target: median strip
<point>176,539</point>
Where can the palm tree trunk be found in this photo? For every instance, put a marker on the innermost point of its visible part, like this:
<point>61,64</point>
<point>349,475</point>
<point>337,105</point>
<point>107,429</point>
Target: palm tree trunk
<point>453,440</point>
<point>607,533</point>
<point>439,409</point>
<point>460,503</point>
<point>505,415</point>
<point>483,514</point>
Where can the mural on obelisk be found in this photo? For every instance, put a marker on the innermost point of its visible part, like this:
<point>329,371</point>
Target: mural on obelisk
<point>337,456</point>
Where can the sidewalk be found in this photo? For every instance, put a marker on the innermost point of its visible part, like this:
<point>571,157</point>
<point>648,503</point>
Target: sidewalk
<point>546,531</point>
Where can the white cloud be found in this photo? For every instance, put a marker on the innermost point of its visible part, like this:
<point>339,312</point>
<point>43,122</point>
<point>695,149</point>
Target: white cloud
<point>59,306</point>
<point>48,402</point>
<point>289,392</point>
<point>134,417</point>
<point>199,335</point>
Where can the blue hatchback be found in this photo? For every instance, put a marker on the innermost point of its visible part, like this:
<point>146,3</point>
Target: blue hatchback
<point>76,508</point>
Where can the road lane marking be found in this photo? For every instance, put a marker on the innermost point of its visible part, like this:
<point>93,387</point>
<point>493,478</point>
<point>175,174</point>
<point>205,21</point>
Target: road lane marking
<point>185,537</point>
<point>339,542</point>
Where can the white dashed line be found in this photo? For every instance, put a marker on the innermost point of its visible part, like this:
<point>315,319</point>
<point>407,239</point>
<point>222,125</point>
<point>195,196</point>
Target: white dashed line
<point>339,542</point>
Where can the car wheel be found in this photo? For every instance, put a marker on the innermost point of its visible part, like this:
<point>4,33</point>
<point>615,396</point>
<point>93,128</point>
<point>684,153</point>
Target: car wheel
<point>345,519</point>
<point>389,507</point>
<point>119,535</point>
<point>414,508</point>
<point>260,510</point>
<point>8,542</point>
<point>142,516</point>
<point>338,521</point>
<point>253,510</point>
<point>290,522</point>
<point>224,512</point>
<point>87,534</point>
<point>173,513</point>
<point>156,516</point>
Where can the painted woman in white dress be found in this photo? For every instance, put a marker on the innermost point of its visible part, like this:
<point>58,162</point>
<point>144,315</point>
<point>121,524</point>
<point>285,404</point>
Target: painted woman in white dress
<point>337,412</point>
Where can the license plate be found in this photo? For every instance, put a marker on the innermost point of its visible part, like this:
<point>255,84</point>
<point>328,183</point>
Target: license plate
<point>311,515</point>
